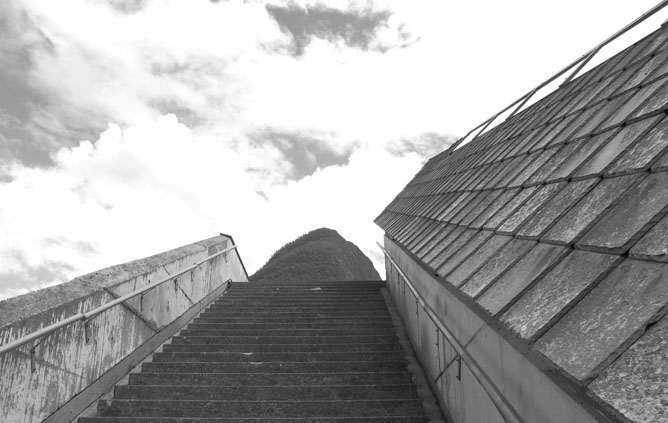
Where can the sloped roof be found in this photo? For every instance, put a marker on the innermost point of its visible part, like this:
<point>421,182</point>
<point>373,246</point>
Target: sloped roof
<point>555,222</point>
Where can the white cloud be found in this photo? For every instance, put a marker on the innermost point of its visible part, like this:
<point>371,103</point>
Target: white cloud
<point>149,187</point>
<point>151,183</point>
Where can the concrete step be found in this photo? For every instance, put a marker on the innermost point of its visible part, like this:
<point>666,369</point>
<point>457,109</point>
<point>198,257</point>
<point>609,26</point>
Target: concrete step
<point>265,393</point>
<point>233,302</point>
<point>293,339</point>
<point>284,284</point>
<point>275,296</point>
<point>281,347</point>
<point>271,379</point>
<point>276,353</point>
<point>246,409</point>
<point>292,319</point>
<point>282,367</point>
<point>274,357</point>
<point>285,332</point>
<point>290,325</point>
<point>372,419</point>
<point>359,314</point>
<point>303,308</point>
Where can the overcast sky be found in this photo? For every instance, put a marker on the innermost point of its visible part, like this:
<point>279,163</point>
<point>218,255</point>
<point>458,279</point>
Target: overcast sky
<point>131,127</point>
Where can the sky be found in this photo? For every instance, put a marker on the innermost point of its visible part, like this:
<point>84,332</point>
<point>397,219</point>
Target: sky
<point>128,128</point>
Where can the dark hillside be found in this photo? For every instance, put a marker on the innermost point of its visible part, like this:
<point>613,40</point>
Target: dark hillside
<point>320,255</point>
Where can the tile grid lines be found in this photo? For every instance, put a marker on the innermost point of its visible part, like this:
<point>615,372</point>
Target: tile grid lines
<point>584,125</point>
<point>572,244</point>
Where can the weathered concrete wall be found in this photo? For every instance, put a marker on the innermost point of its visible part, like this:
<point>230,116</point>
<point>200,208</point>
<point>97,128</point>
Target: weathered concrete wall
<point>536,396</point>
<point>65,363</point>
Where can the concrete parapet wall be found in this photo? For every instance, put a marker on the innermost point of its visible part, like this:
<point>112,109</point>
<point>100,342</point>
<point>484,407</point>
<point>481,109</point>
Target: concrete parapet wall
<point>536,396</point>
<point>64,363</point>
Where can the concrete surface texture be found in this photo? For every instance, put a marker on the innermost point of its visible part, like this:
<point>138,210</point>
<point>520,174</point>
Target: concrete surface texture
<point>64,363</point>
<point>552,227</point>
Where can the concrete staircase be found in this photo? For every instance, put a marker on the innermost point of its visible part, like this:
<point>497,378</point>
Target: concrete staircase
<point>316,352</point>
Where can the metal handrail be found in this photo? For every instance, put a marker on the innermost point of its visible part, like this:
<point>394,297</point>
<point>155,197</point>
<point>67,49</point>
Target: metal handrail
<point>582,60</point>
<point>96,311</point>
<point>508,412</point>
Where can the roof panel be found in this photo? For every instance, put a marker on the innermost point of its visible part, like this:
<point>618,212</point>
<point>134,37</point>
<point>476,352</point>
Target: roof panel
<point>509,207</point>
<point>562,286</point>
<point>503,259</point>
<point>615,146</point>
<point>543,195</point>
<point>555,208</point>
<point>521,275</point>
<point>640,155</point>
<point>654,245</point>
<point>597,329</point>
<point>493,207</point>
<point>627,220</point>
<point>635,383</point>
<point>462,252</point>
<point>475,261</point>
<point>588,210</point>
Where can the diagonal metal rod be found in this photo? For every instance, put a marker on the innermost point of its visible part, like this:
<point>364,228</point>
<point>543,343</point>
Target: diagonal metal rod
<point>94,312</point>
<point>582,60</point>
<point>510,415</point>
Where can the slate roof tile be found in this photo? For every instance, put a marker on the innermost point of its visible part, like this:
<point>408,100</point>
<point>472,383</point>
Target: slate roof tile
<point>639,97</point>
<point>635,383</point>
<point>629,219</point>
<point>488,197</point>
<point>552,295</point>
<point>521,275</point>
<point>509,207</point>
<point>654,245</point>
<point>656,103</point>
<point>535,227</point>
<point>544,194</point>
<point>582,150</point>
<point>443,244</point>
<point>462,252</point>
<point>496,265</point>
<point>563,153</point>
<point>452,248</point>
<point>587,210</point>
<point>533,162</point>
<point>615,146</point>
<point>641,154</point>
<point>493,207</point>
<point>661,164</point>
<point>429,237</point>
<point>607,319</point>
<point>477,259</point>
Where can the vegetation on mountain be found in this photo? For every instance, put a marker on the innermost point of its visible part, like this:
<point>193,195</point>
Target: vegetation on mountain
<point>320,255</point>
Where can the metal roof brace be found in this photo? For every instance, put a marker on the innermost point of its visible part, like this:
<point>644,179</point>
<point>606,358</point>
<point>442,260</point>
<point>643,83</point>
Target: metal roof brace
<point>505,408</point>
<point>582,61</point>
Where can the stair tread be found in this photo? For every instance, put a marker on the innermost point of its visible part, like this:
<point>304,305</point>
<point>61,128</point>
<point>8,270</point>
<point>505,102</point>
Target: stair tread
<point>294,351</point>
